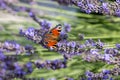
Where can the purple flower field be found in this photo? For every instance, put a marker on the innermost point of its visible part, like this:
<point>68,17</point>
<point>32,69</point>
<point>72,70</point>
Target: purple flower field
<point>59,40</point>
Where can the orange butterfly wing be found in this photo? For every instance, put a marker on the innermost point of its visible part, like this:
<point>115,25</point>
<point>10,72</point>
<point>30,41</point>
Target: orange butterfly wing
<point>55,32</point>
<point>51,43</point>
<point>51,38</point>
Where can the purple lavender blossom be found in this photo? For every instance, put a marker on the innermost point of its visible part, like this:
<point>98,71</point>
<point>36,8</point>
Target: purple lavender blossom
<point>111,78</point>
<point>67,27</point>
<point>42,79</point>
<point>105,77</point>
<point>99,44</point>
<point>3,5</point>
<point>2,56</point>
<point>97,6</point>
<point>117,12</point>
<point>21,32</point>
<point>80,4</point>
<point>88,74</point>
<point>69,49</point>
<point>94,52</point>
<point>72,44</point>
<point>11,46</point>
<point>118,1</point>
<point>63,36</point>
<point>90,43</point>
<point>105,8</point>
<point>30,31</point>
<point>111,51</point>
<point>32,34</point>
<point>2,74</point>
<point>19,72</point>
<point>29,67</point>
<point>107,57</point>
<point>31,14</point>
<point>89,78</point>
<point>45,25</point>
<point>15,47</point>
<point>118,46</point>
<point>70,79</point>
<point>106,71</point>
<point>90,7</point>
<point>55,64</point>
<point>29,49</point>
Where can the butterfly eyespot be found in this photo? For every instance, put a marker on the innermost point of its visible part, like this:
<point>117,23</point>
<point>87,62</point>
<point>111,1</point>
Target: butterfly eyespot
<point>59,27</point>
<point>53,47</point>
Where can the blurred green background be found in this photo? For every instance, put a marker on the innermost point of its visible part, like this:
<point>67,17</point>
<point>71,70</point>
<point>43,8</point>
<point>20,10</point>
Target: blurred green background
<point>106,28</point>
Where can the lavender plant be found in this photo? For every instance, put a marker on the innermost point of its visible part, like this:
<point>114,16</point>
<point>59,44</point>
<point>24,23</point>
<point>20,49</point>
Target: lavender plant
<point>11,67</point>
<point>90,50</point>
<point>96,6</point>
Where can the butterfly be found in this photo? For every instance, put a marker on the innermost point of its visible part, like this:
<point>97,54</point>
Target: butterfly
<point>51,38</point>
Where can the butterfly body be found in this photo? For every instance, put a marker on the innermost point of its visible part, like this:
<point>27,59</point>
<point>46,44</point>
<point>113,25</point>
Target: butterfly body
<point>51,38</point>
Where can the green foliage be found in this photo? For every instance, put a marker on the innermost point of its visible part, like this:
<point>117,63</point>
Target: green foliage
<point>93,26</point>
